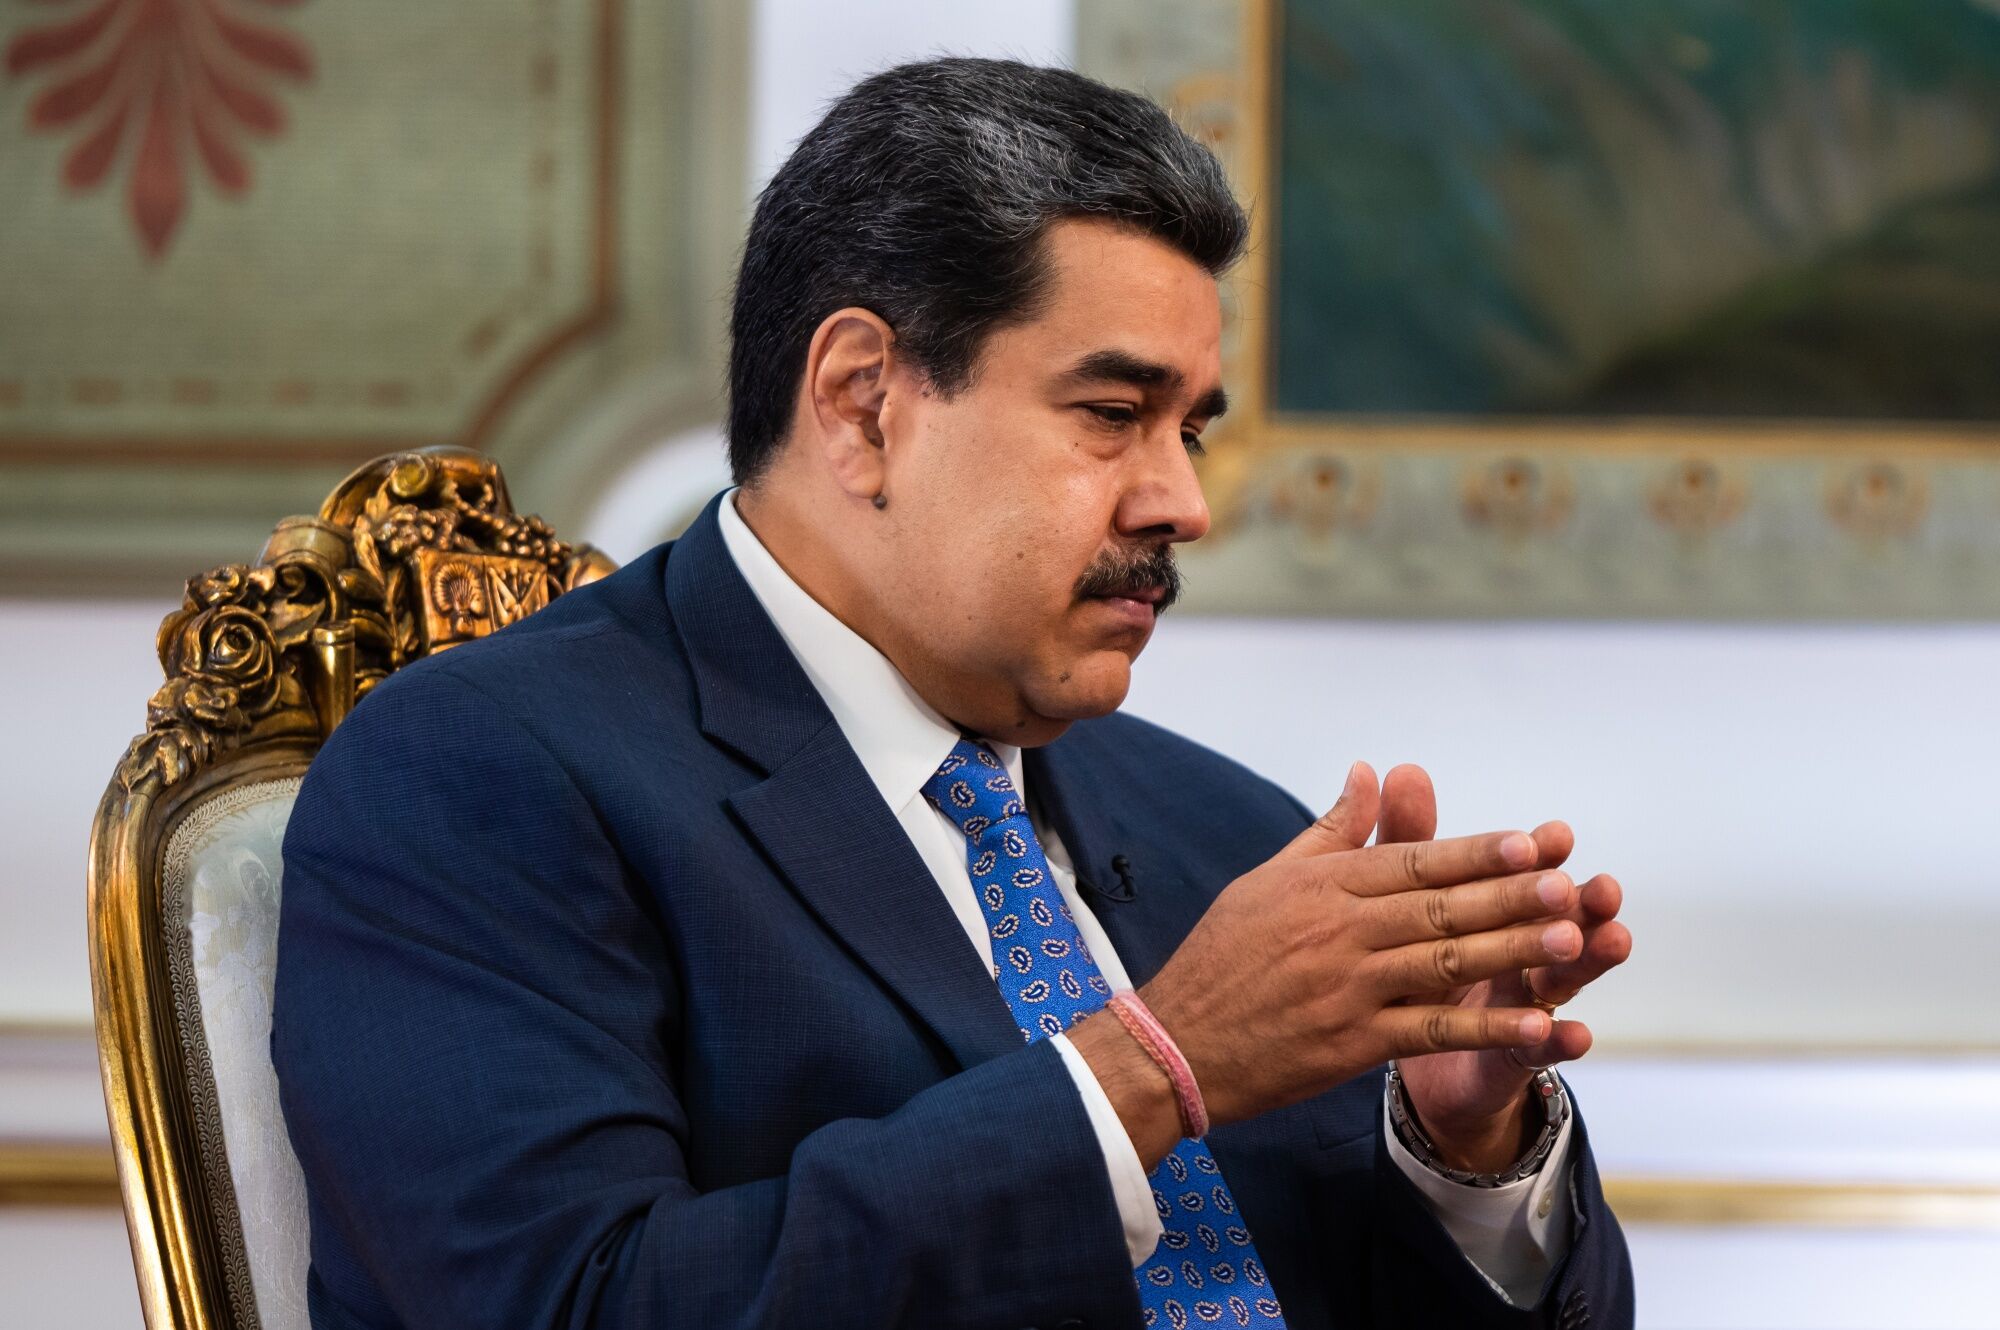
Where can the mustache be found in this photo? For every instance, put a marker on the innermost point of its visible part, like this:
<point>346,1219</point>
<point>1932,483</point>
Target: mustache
<point>1124,572</point>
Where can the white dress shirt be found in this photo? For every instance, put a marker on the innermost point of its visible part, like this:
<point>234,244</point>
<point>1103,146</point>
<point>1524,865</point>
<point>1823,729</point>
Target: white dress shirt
<point>1511,1234</point>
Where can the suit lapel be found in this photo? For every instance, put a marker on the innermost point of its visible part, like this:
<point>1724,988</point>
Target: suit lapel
<point>816,814</point>
<point>825,826</point>
<point>1100,815</point>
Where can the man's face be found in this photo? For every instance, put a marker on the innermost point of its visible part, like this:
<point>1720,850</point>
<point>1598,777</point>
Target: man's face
<point>1031,515</point>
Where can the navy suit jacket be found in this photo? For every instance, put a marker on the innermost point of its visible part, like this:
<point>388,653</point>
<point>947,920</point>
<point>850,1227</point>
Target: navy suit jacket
<point>611,994</point>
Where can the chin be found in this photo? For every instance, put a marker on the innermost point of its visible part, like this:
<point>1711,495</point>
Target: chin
<point>1094,686</point>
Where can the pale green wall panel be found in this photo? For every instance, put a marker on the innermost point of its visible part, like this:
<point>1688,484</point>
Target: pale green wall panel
<point>498,222</point>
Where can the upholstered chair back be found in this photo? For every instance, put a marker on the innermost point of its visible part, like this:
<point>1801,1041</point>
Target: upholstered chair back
<point>219,882</point>
<point>413,553</point>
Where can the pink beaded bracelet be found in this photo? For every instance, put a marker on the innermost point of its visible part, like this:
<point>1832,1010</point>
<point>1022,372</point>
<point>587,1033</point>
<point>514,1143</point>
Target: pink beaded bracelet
<point>1138,1018</point>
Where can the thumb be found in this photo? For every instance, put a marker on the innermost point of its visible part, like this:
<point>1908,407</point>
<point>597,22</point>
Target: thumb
<point>1409,806</point>
<point>1345,826</point>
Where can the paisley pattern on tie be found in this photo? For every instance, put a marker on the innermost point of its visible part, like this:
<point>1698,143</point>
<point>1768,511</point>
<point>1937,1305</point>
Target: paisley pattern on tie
<point>1205,1270</point>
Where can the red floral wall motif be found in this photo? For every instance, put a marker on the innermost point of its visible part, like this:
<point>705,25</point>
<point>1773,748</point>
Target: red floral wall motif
<point>171,76</point>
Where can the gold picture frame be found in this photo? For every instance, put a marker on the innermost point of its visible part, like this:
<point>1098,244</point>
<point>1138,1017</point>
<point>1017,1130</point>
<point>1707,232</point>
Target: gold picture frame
<point>1515,516</point>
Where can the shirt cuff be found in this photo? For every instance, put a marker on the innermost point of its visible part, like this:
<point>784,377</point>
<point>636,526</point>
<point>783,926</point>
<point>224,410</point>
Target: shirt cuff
<point>1130,1186</point>
<point>1513,1234</point>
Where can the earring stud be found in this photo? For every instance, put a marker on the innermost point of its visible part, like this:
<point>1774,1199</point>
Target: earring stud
<point>881,501</point>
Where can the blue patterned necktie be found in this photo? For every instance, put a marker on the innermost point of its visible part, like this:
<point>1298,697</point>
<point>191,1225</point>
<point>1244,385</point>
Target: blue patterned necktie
<point>1205,1270</point>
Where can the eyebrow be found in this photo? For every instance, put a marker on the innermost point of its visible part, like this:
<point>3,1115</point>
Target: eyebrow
<point>1112,366</point>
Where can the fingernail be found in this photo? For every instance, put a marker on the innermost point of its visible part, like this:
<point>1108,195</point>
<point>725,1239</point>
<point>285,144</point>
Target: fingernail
<point>1534,1027</point>
<point>1518,850</point>
<point>1556,939</point>
<point>1553,888</point>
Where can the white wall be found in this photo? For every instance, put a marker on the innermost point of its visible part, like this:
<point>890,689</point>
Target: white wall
<point>1802,816</point>
<point>74,679</point>
<point>808,52</point>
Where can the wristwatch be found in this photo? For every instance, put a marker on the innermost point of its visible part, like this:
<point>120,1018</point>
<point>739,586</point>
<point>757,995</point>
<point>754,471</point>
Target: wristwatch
<point>1547,1090</point>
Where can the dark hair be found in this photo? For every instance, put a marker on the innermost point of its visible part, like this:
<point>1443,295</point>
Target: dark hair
<point>923,196</point>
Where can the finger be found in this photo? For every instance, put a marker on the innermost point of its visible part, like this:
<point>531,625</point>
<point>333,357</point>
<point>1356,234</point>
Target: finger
<point>1409,806</point>
<point>1475,907</point>
<point>1604,946</point>
<point>1347,824</point>
<point>1567,1041</point>
<point>1382,869</point>
<point>1597,901</point>
<point>1410,1031</point>
<point>1601,898</point>
<point>1556,841</point>
<point>1426,967</point>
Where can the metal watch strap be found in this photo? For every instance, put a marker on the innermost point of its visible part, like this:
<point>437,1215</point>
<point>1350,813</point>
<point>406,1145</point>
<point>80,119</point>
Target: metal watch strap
<point>1547,1090</point>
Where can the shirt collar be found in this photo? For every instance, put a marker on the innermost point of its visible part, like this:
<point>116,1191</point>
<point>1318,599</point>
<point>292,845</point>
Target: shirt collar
<point>899,738</point>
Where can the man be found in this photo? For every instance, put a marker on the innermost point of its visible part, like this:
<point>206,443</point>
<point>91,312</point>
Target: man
<point>729,944</point>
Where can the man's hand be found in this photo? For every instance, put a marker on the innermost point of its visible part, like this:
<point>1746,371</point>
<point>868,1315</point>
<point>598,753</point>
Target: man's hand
<point>1474,1102</point>
<point>1306,970</point>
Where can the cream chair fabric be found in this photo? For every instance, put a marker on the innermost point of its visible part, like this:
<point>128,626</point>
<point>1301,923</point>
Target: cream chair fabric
<point>220,883</point>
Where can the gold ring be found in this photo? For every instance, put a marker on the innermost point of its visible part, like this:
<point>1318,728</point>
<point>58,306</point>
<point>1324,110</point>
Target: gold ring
<point>1514,1056</point>
<point>1534,998</point>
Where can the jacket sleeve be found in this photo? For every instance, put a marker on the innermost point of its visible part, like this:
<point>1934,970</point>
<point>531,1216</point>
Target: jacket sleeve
<point>1422,1278</point>
<point>475,1031</point>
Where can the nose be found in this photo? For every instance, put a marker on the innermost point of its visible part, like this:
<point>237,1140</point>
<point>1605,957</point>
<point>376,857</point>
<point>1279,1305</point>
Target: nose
<point>1163,499</point>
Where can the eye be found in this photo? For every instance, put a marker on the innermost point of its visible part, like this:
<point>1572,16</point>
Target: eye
<point>1192,442</point>
<point>1115,414</point>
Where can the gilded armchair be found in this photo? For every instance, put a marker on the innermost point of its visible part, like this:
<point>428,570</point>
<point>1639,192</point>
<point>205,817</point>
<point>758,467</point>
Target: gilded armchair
<point>412,554</point>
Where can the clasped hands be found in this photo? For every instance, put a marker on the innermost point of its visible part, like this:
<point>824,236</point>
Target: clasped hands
<point>1336,955</point>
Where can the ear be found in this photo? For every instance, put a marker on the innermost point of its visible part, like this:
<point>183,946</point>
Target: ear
<point>848,365</point>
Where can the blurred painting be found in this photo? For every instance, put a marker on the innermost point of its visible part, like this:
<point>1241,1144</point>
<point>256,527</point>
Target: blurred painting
<point>1692,209</point>
<point>1597,308</point>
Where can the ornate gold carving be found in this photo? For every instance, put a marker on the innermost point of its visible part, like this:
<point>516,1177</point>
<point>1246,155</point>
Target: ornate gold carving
<point>224,654</point>
<point>447,551</point>
<point>413,553</point>
<point>469,595</point>
<point>262,661</point>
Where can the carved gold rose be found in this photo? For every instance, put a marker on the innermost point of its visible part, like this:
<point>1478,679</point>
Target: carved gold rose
<point>426,553</point>
<point>229,648</point>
